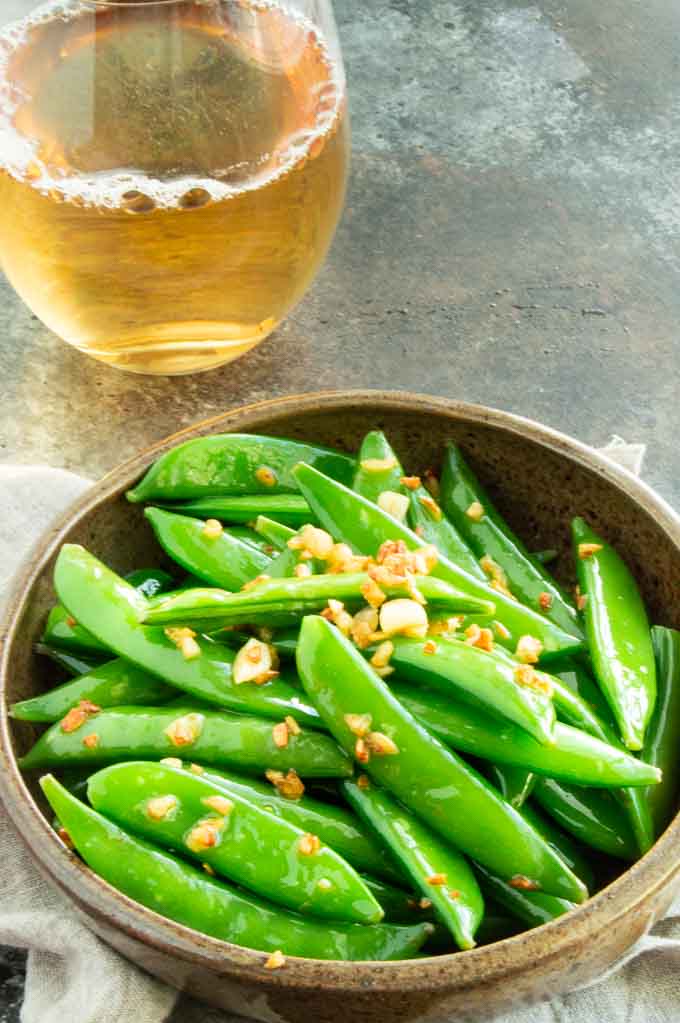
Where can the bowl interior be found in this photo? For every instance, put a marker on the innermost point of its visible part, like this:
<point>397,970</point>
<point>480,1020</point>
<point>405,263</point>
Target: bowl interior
<point>539,481</point>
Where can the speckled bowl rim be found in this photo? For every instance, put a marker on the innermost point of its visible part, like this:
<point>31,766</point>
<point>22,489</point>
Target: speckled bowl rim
<point>655,871</point>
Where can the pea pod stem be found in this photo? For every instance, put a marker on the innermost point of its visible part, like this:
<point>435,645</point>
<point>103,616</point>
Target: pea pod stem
<point>486,532</point>
<point>183,893</point>
<point>293,597</point>
<point>618,633</point>
<point>515,784</point>
<point>150,733</point>
<point>351,518</point>
<point>429,779</point>
<point>243,843</point>
<point>112,610</point>
<point>438,872</point>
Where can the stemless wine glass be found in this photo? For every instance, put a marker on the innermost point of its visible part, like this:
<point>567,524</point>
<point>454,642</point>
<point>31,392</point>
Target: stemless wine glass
<point>171,171</point>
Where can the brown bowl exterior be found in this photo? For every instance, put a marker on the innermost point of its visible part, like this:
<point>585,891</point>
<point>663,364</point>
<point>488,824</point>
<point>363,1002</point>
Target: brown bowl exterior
<point>540,479</point>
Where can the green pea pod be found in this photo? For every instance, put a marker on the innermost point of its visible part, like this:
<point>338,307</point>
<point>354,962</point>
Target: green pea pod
<point>438,872</point>
<point>112,610</point>
<point>399,906</point>
<point>428,778</point>
<point>476,677</point>
<point>74,664</point>
<point>488,534</point>
<point>425,516</point>
<point>183,893</point>
<point>64,632</point>
<point>235,463</point>
<point>335,826</point>
<point>430,523</point>
<point>378,468</point>
<point>663,734</point>
<point>112,684</point>
<point>150,733</point>
<point>290,509</point>
<point>515,784</point>
<point>592,816</point>
<point>364,526</point>
<point>274,533</point>
<point>579,701</point>
<point>618,634</point>
<point>574,756</point>
<point>533,908</point>
<point>572,853</point>
<point>241,842</point>
<point>221,561</point>
<point>291,598</point>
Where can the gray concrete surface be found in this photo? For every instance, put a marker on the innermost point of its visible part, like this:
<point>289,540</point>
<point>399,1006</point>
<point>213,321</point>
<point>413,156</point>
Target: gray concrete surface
<point>512,236</point>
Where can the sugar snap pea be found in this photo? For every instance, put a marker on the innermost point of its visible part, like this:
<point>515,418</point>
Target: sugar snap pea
<point>579,701</point>
<point>282,599</point>
<point>112,609</point>
<point>532,907</point>
<point>575,756</point>
<point>335,825</point>
<point>662,742</point>
<point>477,677</point>
<point>362,713</point>
<point>290,509</point>
<point>72,663</point>
<point>364,526</point>
<point>248,535</point>
<point>63,631</point>
<point>112,684</point>
<point>221,560</point>
<point>592,816</point>
<point>438,872</point>
<point>471,511</point>
<point>573,854</point>
<point>240,841</point>
<point>149,733</point>
<point>235,463</point>
<point>379,470</point>
<point>618,633</point>
<point>189,896</point>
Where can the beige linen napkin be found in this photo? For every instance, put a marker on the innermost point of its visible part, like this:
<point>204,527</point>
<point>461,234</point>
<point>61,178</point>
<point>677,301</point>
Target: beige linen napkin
<point>72,975</point>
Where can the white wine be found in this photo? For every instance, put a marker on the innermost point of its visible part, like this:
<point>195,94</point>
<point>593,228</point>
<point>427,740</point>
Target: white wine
<point>171,175</point>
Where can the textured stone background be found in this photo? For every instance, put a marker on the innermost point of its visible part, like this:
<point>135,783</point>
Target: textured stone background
<point>512,236</point>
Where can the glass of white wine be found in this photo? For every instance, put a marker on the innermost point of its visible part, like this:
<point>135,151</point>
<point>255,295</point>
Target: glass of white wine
<point>171,171</point>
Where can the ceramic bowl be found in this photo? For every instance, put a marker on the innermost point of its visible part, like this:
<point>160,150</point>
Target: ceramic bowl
<point>540,479</point>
